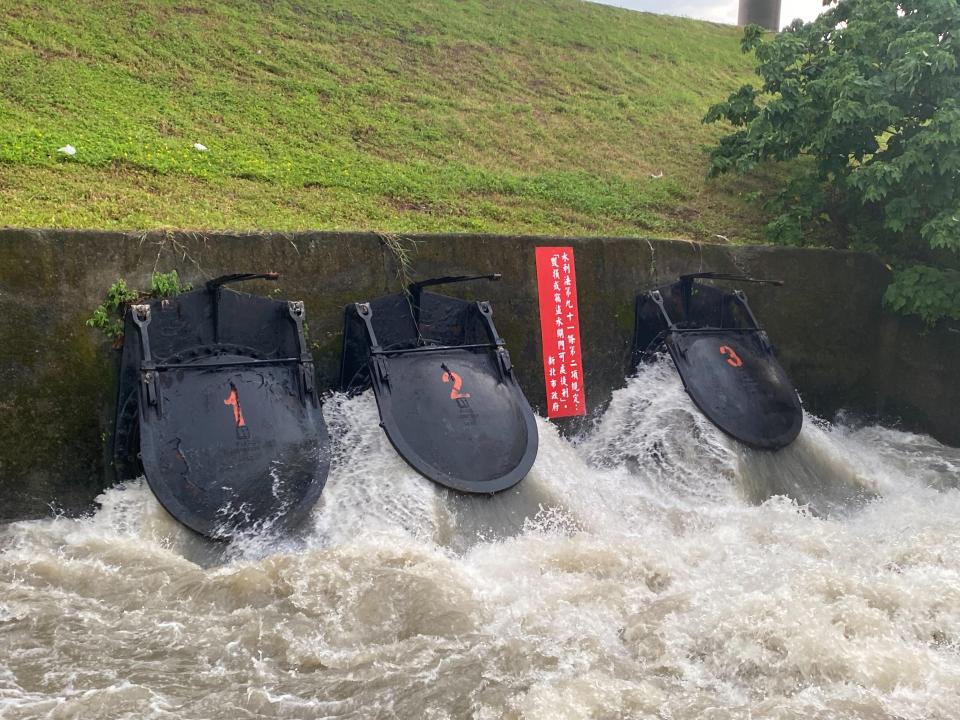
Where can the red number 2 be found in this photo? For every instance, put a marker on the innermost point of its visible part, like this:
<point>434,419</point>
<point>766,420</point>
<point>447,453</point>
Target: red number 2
<point>455,394</point>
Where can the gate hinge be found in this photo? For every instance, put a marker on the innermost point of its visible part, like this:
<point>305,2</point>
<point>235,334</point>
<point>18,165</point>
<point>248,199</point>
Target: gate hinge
<point>148,370</point>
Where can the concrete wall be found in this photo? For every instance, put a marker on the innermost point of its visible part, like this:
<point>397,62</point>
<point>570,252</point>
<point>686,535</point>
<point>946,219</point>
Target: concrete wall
<point>57,375</point>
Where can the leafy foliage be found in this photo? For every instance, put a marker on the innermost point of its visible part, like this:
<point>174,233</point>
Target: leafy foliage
<point>167,284</point>
<point>108,316</point>
<point>869,92</point>
<point>929,292</point>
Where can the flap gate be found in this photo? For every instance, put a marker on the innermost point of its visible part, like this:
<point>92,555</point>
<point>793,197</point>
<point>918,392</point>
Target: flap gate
<point>738,384</point>
<point>231,434</point>
<point>724,358</point>
<point>445,388</point>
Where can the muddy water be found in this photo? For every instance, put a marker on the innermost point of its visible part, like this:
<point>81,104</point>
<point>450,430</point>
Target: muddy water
<point>651,569</point>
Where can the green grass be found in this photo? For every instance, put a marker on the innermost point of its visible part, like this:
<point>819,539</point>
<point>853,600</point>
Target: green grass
<point>546,116</point>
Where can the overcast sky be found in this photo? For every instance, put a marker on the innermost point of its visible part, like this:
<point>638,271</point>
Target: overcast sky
<point>724,11</point>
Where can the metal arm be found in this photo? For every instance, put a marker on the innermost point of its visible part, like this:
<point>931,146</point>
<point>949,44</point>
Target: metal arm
<point>686,284</point>
<point>447,279</point>
<point>240,277</point>
<point>416,289</point>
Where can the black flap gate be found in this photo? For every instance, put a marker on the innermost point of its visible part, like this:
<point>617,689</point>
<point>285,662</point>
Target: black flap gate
<point>445,388</point>
<point>217,394</point>
<point>724,358</point>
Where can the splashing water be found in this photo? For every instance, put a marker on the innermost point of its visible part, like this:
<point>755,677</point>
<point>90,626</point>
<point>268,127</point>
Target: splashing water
<point>653,568</point>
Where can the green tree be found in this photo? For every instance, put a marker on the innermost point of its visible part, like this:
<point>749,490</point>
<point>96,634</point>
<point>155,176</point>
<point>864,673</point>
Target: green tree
<point>866,99</point>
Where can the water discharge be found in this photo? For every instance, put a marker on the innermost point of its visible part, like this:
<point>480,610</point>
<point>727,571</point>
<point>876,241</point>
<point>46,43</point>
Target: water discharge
<point>653,568</point>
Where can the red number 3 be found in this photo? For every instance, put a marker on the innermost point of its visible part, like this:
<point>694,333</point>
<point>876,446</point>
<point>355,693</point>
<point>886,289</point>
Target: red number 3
<point>734,359</point>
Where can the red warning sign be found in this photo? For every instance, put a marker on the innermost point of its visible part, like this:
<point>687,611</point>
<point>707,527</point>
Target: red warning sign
<point>560,332</point>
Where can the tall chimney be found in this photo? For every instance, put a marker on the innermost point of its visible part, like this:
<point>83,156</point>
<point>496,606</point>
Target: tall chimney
<point>765,13</point>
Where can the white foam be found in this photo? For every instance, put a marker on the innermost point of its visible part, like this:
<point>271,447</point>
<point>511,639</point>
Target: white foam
<point>654,567</point>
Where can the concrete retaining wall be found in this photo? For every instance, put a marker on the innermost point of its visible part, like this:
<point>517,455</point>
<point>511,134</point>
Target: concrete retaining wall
<point>57,375</point>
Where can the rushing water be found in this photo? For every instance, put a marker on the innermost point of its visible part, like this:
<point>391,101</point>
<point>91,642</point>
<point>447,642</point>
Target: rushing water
<point>651,569</point>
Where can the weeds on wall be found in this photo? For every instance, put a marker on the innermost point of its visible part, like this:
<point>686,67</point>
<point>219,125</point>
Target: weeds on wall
<point>108,316</point>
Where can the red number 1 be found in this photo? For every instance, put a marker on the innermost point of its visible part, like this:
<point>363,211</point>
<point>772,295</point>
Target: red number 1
<point>234,400</point>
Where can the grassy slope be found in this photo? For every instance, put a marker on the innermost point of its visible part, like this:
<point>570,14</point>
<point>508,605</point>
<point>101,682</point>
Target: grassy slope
<point>495,115</point>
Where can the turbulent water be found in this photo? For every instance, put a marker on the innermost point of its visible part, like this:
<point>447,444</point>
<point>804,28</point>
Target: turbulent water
<point>651,569</point>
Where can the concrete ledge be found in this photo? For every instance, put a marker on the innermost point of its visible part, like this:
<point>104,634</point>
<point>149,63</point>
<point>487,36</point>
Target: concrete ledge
<point>57,375</point>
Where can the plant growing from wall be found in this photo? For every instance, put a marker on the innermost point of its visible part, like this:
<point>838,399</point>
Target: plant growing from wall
<point>167,284</point>
<point>867,99</point>
<point>108,316</point>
